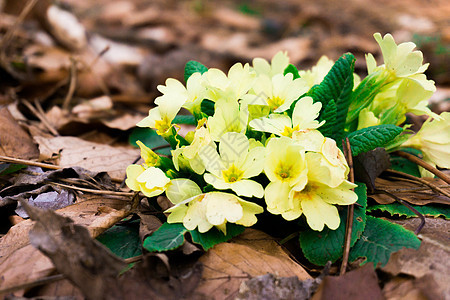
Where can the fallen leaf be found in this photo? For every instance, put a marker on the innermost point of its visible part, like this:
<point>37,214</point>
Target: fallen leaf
<point>14,141</point>
<point>253,253</point>
<point>414,193</point>
<point>273,287</point>
<point>432,258</point>
<point>50,200</point>
<point>369,165</point>
<point>423,288</point>
<point>361,283</point>
<point>92,156</point>
<point>20,262</point>
<point>94,269</point>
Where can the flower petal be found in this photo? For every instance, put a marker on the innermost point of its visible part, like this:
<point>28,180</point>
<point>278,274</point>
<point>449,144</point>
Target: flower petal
<point>181,189</point>
<point>319,213</point>
<point>247,188</point>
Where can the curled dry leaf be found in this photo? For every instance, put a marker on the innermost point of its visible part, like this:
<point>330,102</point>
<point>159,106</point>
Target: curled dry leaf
<point>253,253</point>
<point>14,141</point>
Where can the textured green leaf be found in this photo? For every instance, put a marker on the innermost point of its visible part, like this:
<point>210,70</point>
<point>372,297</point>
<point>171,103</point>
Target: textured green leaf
<point>213,237</point>
<point>192,67</point>
<point>329,114</point>
<point>380,239</point>
<point>337,85</point>
<point>293,70</point>
<point>167,237</point>
<point>327,245</point>
<point>150,138</point>
<point>184,119</point>
<point>429,210</point>
<point>123,240</point>
<point>207,107</point>
<point>369,138</point>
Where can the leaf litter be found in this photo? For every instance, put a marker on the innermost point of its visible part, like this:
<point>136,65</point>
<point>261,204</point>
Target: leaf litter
<point>159,45</point>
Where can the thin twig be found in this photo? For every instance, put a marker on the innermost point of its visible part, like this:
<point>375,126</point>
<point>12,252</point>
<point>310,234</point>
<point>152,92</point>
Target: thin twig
<point>28,163</point>
<point>72,85</point>
<point>350,211</point>
<point>92,191</point>
<point>424,165</point>
<point>403,202</point>
<point>418,179</point>
<point>11,31</point>
<point>41,117</point>
<point>42,113</point>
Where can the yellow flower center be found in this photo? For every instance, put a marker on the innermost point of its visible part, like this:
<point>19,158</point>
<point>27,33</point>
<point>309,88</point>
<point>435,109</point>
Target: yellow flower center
<point>275,102</point>
<point>163,125</point>
<point>283,172</point>
<point>232,174</point>
<point>288,130</point>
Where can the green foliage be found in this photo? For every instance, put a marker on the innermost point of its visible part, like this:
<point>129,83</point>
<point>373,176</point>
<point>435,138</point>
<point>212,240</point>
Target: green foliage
<point>184,119</point>
<point>329,114</point>
<point>150,138</point>
<point>337,85</point>
<point>192,67</point>
<point>123,240</point>
<point>429,210</point>
<point>321,246</point>
<point>207,107</point>
<point>364,94</point>
<point>369,138</point>
<point>6,169</point>
<point>293,70</point>
<point>380,239</point>
<point>213,237</point>
<point>171,236</point>
<point>167,237</point>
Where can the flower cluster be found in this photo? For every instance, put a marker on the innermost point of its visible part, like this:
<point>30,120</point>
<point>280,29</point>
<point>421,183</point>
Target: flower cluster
<point>258,141</point>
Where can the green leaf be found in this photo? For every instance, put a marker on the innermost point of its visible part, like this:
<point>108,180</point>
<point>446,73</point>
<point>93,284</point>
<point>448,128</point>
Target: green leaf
<point>337,85</point>
<point>429,210</point>
<point>192,67</point>
<point>167,237</point>
<point>329,114</point>
<point>184,119</point>
<point>293,70</point>
<point>150,138</point>
<point>213,237</point>
<point>123,240</point>
<point>207,107</point>
<point>327,245</point>
<point>380,239</point>
<point>6,169</point>
<point>369,138</point>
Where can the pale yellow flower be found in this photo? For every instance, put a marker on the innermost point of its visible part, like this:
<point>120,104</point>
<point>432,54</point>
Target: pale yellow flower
<point>278,63</point>
<point>400,61</point>
<point>203,211</point>
<point>228,117</point>
<point>277,93</point>
<point>317,72</point>
<point>151,159</point>
<point>191,152</point>
<point>433,139</point>
<point>229,88</point>
<point>151,182</point>
<point>234,165</point>
<point>303,119</point>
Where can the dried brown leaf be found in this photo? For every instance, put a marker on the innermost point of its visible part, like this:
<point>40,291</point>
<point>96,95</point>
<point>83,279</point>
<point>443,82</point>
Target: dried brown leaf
<point>361,283</point>
<point>92,156</point>
<point>14,141</point>
<point>253,253</point>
